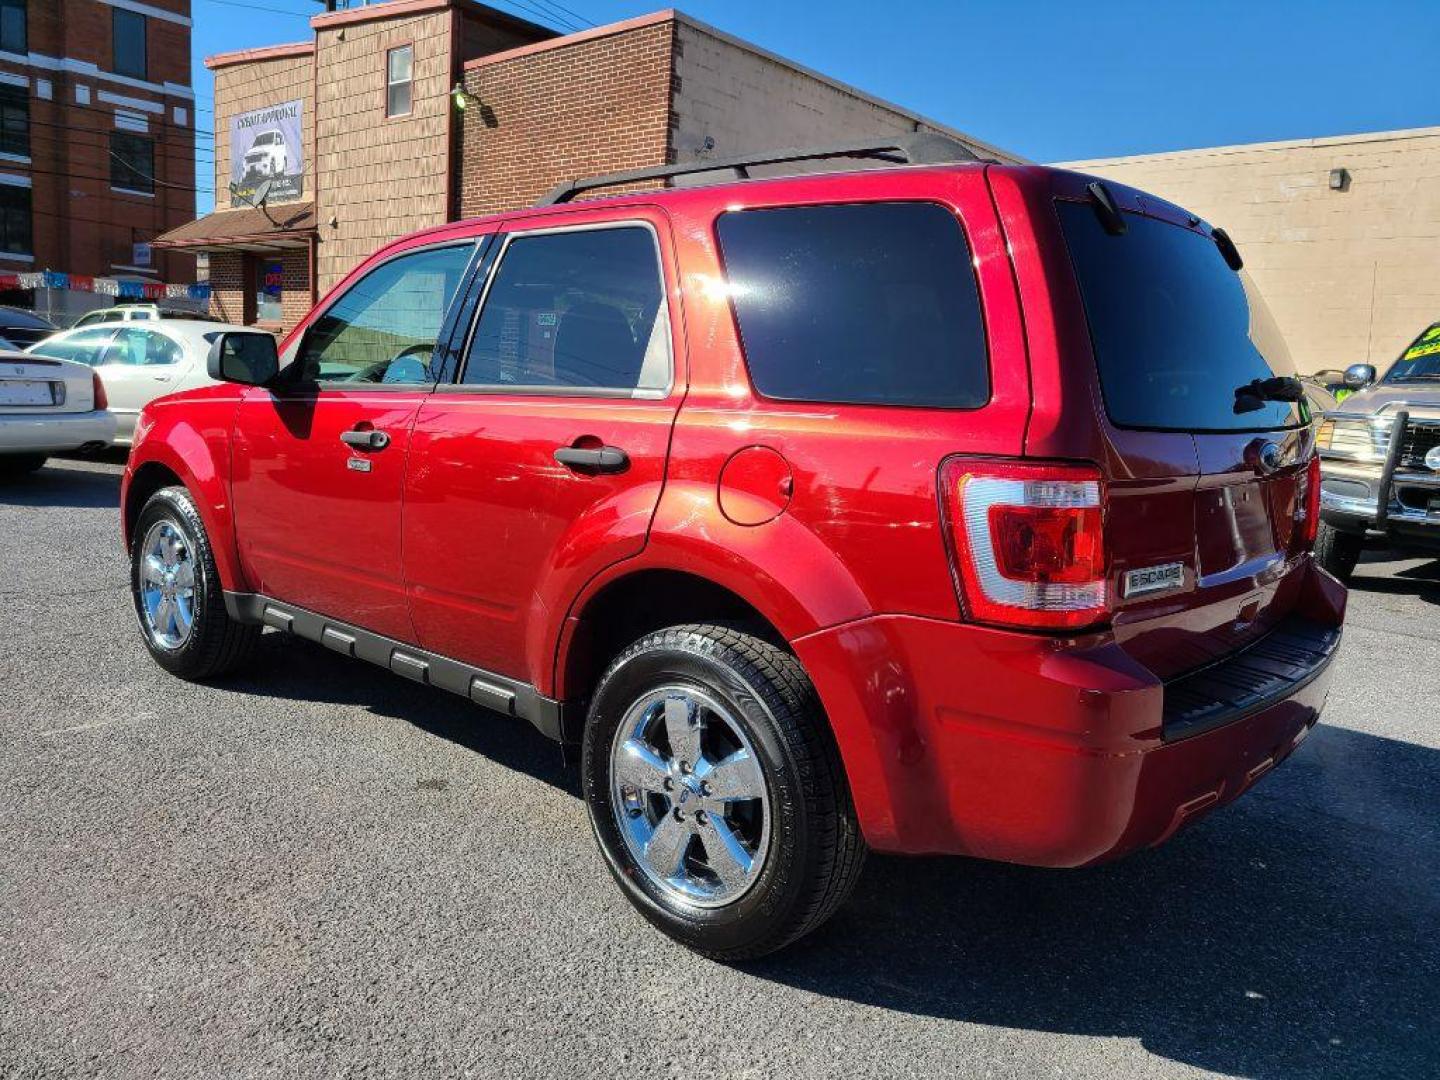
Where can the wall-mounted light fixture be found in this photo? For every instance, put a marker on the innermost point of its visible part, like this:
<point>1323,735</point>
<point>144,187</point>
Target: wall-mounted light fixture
<point>1339,179</point>
<point>462,98</point>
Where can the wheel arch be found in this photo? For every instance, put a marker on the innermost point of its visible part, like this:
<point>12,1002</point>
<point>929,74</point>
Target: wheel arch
<point>632,604</point>
<point>149,478</point>
<point>181,456</point>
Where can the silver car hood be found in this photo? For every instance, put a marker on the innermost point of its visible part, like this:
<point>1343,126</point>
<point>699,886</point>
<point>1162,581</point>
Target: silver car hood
<point>1419,399</point>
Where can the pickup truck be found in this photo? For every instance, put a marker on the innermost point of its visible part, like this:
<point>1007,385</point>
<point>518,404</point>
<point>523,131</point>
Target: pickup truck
<point>1380,460</point>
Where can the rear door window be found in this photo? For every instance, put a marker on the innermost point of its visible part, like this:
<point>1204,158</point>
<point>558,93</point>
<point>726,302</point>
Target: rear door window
<point>577,311</point>
<point>865,303</point>
<point>1174,329</point>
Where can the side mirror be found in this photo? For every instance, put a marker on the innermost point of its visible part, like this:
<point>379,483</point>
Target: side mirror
<point>246,357</point>
<point>1358,376</point>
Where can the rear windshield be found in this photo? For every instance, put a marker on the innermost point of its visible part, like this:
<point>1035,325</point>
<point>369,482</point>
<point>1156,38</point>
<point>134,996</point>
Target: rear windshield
<point>1175,330</point>
<point>868,303</point>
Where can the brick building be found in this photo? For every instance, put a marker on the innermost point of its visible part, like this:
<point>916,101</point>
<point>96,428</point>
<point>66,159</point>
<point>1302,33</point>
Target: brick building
<point>97,143</point>
<point>376,144</point>
<point>1341,234</point>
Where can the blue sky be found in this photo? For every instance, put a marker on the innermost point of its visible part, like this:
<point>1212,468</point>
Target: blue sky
<point>1050,81</point>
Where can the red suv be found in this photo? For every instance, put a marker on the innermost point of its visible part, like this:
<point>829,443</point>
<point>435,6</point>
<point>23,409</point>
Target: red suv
<point>952,507</point>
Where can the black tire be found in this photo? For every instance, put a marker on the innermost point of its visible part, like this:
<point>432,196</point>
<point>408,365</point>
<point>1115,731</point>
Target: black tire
<point>21,464</point>
<point>1338,551</point>
<point>216,644</point>
<point>815,850</point>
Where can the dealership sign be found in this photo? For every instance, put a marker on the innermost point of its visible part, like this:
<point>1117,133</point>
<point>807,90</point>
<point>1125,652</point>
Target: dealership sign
<point>265,145</point>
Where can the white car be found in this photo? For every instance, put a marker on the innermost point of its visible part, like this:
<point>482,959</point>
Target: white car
<point>138,362</point>
<point>134,313</point>
<point>268,155</point>
<point>48,406</point>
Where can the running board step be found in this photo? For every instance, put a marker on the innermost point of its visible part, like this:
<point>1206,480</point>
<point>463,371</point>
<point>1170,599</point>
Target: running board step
<point>483,687</point>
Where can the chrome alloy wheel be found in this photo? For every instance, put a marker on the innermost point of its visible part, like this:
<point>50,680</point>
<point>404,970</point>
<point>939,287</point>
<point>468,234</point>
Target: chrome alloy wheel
<point>167,584</point>
<point>689,796</point>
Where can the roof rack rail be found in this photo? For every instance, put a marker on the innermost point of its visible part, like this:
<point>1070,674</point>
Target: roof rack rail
<point>922,148</point>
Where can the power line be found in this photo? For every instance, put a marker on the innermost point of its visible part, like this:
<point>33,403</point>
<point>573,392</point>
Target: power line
<point>524,5</point>
<point>72,175</point>
<point>261,7</point>
<point>574,14</point>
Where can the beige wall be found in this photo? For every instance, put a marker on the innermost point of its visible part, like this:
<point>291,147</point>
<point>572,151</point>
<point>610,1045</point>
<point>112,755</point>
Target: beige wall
<point>257,85</point>
<point>747,99</point>
<point>1351,275</point>
<point>379,178</point>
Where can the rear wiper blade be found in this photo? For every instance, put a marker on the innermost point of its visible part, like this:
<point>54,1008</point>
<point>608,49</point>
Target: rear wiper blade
<point>1252,396</point>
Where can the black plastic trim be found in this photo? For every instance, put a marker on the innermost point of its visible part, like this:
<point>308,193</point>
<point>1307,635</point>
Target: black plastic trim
<point>1277,666</point>
<point>483,687</point>
<point>921,148</point>
<point>1392,460</point>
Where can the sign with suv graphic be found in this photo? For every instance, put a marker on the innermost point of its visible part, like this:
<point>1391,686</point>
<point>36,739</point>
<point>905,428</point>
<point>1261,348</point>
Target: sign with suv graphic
<point>265,145</point>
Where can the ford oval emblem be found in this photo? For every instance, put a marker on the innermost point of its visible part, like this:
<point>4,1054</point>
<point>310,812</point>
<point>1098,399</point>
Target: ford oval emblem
<point>1264,456</point>
<point>1432,458</point>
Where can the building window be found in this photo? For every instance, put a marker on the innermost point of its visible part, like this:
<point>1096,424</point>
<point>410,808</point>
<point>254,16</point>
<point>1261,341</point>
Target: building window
<point>129,43</point>
<point>399,74</point>
<point>13,38</point>
<point>269,290</point>
<point>132,162</point>
<point>15,219</point>
<point>14,120</point>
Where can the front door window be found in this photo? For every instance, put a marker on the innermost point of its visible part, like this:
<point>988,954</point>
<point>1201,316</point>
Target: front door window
<point>383,329</point>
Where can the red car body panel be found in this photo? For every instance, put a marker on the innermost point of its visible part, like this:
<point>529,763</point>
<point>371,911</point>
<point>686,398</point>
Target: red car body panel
<point>310,530</point>
<point>188,435</point>
<point>956,737</point>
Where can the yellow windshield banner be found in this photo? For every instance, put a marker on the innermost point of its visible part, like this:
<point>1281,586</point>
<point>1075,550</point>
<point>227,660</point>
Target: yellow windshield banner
<point>1428,345</point>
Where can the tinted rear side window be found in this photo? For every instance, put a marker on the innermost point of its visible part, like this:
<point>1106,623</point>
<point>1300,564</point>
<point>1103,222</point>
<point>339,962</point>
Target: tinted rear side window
<point>1175,330</point>
<point>871,303</point>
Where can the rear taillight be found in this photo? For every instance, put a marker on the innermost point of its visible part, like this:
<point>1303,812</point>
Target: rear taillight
<point>1028,542</point>
<point>101,401</point>
<point>1309,503</point>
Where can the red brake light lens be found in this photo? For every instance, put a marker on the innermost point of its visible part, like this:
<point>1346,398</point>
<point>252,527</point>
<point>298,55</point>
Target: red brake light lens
<point>1310,501</point>
<point>101,401</point>
<point>1047,544</point>
<point>1028,542</point>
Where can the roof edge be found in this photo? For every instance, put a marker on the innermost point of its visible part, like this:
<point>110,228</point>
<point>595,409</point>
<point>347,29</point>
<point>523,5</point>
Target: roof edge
<point>675,15</point>
<point>1397,134</point>
<point>392,9</point>
<point>846,88</point>
<point>266,52</point>
<point>580,36</point>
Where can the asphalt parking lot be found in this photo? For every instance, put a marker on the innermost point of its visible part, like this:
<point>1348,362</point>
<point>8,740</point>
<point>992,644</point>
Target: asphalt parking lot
<point>318,869</point>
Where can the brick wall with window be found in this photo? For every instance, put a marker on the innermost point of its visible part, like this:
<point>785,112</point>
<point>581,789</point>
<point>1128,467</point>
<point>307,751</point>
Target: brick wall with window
<point>62,115</point>
<point>236,278</point>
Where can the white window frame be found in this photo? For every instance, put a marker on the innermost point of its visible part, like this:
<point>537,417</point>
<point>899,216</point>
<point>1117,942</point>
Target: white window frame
<point>391,83</point>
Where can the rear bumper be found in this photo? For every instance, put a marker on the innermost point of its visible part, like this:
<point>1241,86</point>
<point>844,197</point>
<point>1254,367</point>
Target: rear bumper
<point>963,740</point>
<point>27,433</point>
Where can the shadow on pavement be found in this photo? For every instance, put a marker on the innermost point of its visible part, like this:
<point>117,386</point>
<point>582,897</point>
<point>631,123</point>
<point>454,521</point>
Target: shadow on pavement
<point>1421,580</point>
<point>60,483</point>
<point>1292,934</point>
<point>298,670</point>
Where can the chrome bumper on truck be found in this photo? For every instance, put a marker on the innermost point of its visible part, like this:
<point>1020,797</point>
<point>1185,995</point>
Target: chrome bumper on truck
<point>1399,497</point>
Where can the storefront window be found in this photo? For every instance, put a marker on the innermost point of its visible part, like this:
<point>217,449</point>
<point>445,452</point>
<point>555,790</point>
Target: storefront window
<point>269,287</point>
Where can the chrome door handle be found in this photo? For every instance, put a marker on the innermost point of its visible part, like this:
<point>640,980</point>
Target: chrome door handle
<point>602,459</point>
<point>366,440</point>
